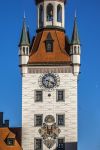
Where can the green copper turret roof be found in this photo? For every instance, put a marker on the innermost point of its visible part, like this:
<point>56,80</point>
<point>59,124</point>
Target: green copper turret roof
<point>24,40</point>
<point>75,36</point>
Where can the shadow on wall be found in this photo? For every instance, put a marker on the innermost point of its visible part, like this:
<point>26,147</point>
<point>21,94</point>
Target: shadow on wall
<point>68,146</point>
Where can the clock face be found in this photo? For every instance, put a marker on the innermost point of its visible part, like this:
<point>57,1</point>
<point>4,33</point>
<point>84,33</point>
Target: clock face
<point>49,81</point>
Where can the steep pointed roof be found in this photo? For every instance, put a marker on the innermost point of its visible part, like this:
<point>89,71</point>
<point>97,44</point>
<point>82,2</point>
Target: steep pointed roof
<point>24,40</point>
<point>75,36</point>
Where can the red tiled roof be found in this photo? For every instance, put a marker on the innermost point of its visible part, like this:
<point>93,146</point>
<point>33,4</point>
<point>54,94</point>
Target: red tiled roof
<point>4,134</point>
<point>60,47</point>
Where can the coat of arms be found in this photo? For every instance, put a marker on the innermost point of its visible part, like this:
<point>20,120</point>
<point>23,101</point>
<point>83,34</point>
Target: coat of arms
<point>49,131</point>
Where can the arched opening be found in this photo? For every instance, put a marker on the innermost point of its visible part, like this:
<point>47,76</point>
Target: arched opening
<point>59,13</point>
<point>50,12</point>
<point>23,50</point>
<point>41,16</point>
<point>78,50</point>
<point>75,50</point>
<point>27,52</point>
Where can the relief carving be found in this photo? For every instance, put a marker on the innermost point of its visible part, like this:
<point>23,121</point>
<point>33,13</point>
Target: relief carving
<point>49,131</point>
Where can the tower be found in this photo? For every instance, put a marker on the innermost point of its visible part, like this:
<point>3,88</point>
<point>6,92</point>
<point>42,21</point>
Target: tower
<point>50,69</point>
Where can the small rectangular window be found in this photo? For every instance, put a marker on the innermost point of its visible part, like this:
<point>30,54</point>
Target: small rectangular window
<point>60,95</point>
<point>49,46</point>
<point>38,96</point>
<point>10,141</point>
<point>61,144</point>
<point>38,120</point>
<point>60,120</point>
<point>38,144</point>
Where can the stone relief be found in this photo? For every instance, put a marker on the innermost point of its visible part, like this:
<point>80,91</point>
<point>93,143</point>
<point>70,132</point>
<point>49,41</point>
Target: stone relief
<point>49,131</point>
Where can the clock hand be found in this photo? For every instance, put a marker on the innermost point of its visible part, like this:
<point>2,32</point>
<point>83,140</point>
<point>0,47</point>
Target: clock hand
<point>50,82</point>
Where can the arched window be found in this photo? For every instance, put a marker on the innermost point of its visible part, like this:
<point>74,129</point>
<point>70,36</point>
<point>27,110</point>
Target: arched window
<point>27,53</point>
<point>75,50</point>
<point>23,50</point>
<point>41,16</point>
<point>59,13</point>
<point>78,50</point>
<point>50,12</point>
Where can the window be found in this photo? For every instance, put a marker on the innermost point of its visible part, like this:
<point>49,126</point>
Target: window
<point>38,96</point>
<point>59,13</point>
<point>38,120</point>
<point>78,50</point>
<point>41,16</point>
<point>60,120</point>
<point>60,95</point>
<point>49,46</point>
<point>49,43</point>
<point>27,53</point>
<point>74,49</point>
<point>38,144</point>
<point>10,141</point>
<point>49,12</point>
<point>61,144</point>
<point>23,50</point>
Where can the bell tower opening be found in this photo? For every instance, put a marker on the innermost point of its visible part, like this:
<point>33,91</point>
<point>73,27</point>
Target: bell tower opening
<point>50,12</point>
<point>59,13</point>
<point>41,16</point>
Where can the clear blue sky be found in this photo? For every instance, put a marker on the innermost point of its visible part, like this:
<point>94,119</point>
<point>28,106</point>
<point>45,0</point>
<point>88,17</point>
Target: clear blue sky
<point>88,13</point>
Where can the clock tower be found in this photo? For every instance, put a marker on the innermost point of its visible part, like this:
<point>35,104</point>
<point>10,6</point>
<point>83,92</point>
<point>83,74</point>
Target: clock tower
<point>50,66</point>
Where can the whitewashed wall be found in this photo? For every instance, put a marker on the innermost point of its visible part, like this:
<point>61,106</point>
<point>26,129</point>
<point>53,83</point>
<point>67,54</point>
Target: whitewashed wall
<point>49,106</point>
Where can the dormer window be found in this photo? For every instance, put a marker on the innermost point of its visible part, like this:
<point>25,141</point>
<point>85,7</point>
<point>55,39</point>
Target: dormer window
<point>10,141</point>
<point>49,46</point>
<point>49,43</point>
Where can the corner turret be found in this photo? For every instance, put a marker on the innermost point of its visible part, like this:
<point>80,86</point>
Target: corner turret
<point>24,47</point>
<point>75,49</point>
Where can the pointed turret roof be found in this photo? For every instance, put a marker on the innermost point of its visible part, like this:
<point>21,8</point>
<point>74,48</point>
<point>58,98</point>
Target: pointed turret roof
<point>24,40</point>
<point>75,36</point>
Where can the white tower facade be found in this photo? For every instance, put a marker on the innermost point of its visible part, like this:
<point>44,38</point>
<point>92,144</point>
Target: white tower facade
<point>49,82</point>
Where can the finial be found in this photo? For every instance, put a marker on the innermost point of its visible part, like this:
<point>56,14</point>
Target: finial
<point>75,13</point>
<point>24,15</point>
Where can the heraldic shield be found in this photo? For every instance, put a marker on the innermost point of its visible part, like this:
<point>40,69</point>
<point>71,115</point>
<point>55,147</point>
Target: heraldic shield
<point>49,131</point>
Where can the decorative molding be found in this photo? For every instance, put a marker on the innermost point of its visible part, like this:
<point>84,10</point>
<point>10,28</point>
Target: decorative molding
<point>49,119</point>
<point>67,69</point>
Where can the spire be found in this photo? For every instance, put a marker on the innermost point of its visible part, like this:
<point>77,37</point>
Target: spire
<point>28,33</point>
<point>75,35</point>
<point>24,40</point>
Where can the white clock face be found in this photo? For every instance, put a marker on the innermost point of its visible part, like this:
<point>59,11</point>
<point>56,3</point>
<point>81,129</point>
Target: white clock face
<point>49,81</point>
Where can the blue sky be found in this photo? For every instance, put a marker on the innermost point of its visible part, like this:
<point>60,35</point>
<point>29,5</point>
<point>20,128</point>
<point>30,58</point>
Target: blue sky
<point>88,14</point>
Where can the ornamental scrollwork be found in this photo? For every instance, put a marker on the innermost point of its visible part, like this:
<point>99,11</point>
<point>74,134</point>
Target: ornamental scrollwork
<point>49,131</point>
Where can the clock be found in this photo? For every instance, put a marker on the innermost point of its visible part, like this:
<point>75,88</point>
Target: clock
<point>49,81</point>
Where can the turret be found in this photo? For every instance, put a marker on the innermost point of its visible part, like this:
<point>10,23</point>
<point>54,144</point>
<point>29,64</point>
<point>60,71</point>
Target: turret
<point>50,13</point>
<point>75,49</point>
<point>24,47</point>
